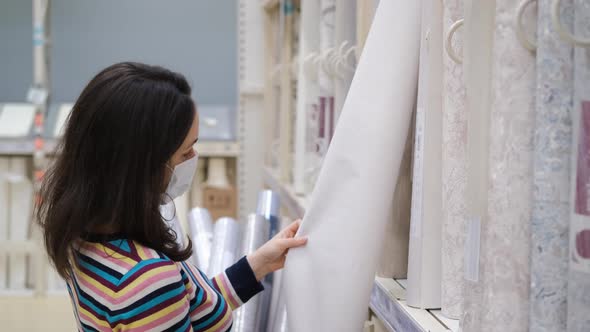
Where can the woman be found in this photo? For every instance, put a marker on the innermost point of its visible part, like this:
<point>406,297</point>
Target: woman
<point>127,149</point>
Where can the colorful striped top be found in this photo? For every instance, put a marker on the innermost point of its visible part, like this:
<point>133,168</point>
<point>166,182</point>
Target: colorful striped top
<point>121,285</point>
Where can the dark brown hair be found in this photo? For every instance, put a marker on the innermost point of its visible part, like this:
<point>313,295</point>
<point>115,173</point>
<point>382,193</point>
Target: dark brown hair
<point>110,166</point>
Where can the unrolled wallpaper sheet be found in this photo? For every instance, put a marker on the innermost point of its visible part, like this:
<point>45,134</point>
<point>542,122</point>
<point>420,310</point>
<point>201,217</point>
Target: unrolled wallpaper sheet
<point>553,147</point>
<point>394,254</point>
<point>328,282</point>
<point>578,304</point>
<point>424,262</point>
<point>21,203</point>
<point>4,205</point>
<point>497,298</point>
<point>454,169</point>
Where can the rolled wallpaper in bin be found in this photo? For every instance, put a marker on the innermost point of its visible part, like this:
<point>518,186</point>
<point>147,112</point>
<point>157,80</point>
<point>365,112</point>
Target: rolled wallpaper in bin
<point>328,282</point>
<point>201,232</point>
<point>497,296</point>
<point>255,234</point>
<point>553,147</point>
<point>226,234</point>
<point>578,301</point>
<point>424,262</point>
<point>454,170</point>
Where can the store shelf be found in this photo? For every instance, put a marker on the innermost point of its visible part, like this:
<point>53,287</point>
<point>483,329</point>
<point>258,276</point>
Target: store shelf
<point>16,146</point>
<point>205,149</point>
<point>388,303</point>
<point>294,203</point>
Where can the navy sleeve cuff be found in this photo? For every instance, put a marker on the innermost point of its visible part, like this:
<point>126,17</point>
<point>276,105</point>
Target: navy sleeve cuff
<point>243,280</point>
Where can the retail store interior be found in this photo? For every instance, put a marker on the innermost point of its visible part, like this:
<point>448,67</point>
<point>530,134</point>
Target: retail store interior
<point>436,153</point>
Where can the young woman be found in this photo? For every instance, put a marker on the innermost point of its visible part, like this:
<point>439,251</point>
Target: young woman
<point>127,149</point>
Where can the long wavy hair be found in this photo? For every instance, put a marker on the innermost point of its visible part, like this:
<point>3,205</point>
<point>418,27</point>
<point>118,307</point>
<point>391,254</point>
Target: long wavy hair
<point>109,171</point>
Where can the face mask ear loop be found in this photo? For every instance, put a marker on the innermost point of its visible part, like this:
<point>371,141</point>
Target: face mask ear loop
<point>174,205</point>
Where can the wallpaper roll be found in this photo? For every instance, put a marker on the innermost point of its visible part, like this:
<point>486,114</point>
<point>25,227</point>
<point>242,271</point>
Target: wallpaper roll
<point>345,32</point>
<point>353,195</point>
<point>553,147</point>
<point>307,94</point>
<point>394,254</point>
<point>497,296</point>
<point>255,234</point>
<point>424,262</point>
<point>325,79</point>
<point>268,206</point>
<point>578,301</point>
<point>4,215</point>
<point>21,211</point>
<point>454,170</point>
<point>226,234</point>
<point>201,233</point>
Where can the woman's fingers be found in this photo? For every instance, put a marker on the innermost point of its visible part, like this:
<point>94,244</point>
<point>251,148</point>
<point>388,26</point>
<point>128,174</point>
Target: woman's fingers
<point>292,242</point>
<point>291,230</point>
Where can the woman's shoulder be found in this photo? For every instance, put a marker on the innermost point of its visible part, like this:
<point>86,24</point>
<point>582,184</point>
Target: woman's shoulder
<point>123,259</point>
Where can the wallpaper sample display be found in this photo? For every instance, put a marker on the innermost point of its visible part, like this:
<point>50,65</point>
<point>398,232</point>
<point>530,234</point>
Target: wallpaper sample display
<point>424,262</point>
<point>353,195</point>
<point>394,254</point>
<point>497,294</point>
<point>578,302</point>
<point>454,169</point>
<point>553,142</point>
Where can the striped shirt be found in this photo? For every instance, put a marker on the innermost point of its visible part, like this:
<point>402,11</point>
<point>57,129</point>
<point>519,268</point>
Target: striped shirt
<point>121,285</point>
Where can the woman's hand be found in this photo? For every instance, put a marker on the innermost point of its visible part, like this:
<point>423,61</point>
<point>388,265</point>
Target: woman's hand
<point>272,255</point>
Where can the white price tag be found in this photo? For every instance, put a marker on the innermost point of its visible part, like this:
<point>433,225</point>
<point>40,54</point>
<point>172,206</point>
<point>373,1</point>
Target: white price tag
<point>472,246</point>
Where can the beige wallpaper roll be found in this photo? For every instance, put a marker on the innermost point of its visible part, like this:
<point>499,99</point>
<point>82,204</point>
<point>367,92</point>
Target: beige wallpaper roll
<point>424,262</point>
<point>454,168</point>
<point>349,207</point>
<point>497,294</point>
